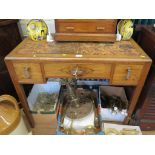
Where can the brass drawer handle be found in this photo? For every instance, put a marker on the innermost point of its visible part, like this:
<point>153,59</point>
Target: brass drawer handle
<point>100,28</point>
<point>26,72</point>
<point>76,72</point>
<point>69,28</point>
<point>128,73</point>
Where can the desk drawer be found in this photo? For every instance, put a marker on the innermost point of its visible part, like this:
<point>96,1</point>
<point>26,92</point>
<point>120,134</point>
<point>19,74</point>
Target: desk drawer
<point>82,70</point>
<point>86,26</point>
<point>28,72</point>
<point>127,74</point>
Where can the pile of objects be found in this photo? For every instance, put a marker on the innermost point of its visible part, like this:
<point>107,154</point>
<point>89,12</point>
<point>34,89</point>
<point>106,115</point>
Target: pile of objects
<point>114,103</point>
<point>115,129</point>
<point>79,113</point>
<point>45,102</point>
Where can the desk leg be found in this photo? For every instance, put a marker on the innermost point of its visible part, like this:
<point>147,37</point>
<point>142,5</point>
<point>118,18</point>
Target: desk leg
<point>137,92</point>
<point>133,102</point>
<point>20,92</point>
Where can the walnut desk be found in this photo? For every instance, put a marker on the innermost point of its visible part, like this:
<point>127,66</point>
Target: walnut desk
<point>122,63</point>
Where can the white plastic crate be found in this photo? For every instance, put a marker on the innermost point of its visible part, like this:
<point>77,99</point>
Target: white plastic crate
<point>49,87</point>
<point>105,113</point>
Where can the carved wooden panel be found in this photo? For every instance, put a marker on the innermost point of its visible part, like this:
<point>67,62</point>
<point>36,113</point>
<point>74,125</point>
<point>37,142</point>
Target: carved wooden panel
<point>123,49</point>
<point>83,70</point>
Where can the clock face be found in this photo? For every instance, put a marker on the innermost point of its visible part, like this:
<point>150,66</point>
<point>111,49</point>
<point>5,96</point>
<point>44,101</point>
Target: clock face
<point>84,108</point>
<point>37,29</point>
<point>79,106</point>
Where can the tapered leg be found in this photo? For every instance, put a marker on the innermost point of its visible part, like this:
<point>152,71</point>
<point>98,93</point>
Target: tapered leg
<point>137,92</point>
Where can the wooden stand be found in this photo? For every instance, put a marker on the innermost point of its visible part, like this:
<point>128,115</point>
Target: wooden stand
<point>123,63</point>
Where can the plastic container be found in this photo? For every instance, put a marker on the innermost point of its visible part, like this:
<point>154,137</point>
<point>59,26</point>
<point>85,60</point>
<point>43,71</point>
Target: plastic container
<point>50,88</point>
<point>11,121</point>
<point>46,120</point>
<point>105,113</point>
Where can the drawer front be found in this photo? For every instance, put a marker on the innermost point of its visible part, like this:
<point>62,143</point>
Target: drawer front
<point>127,74</point>
<point>86,26</point>
<point>81,70</point>
<point>85,37</point>
<point>28,72</point>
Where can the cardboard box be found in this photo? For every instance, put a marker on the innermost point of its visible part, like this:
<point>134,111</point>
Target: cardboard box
<point>45,123</point>
<point>105,113</point>
<point>114,129</point>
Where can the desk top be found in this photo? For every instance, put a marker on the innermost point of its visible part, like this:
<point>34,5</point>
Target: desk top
<point>57,51</point>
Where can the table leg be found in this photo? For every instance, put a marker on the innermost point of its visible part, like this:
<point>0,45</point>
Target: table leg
<point>137,92</point>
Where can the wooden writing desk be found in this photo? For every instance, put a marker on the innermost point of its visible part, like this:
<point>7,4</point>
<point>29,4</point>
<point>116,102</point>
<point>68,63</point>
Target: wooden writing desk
<point>122,63</point>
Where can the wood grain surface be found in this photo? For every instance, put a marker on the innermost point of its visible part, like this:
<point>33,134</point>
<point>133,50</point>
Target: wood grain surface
<point>85,30</point>
<point>41,50</point>
<point>122,63</point>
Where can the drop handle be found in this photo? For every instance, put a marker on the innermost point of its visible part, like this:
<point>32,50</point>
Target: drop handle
<point>69,27</point>
<point>128,75</point>
<point>76,72</point>
<point>100,28</point>
<point>26,72</point>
